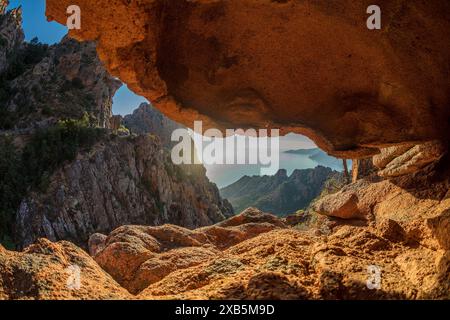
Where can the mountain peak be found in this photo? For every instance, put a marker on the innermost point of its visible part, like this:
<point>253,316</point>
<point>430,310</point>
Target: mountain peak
<point>146,119</point>
<point>282,173</point>
<point>144,106</point>
<point>279,193</point>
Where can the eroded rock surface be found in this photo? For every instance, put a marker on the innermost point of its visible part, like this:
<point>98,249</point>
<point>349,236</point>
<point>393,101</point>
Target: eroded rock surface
<point>253,63</point>
<point>405,159</point>
<point>273,63</point>
<point>42,272</point>
<point>250,256</point>
<point>288,264</point>
<point>419,202</point>
<point>93,187</point>
<point>139,256</point>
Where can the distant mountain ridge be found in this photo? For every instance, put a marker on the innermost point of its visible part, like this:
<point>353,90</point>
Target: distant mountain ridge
<point>318,156</point>
<point>307,152</point>
<point>280,194</point>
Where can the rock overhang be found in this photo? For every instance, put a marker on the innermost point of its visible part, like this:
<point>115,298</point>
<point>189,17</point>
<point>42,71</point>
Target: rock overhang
<point>309,67</point>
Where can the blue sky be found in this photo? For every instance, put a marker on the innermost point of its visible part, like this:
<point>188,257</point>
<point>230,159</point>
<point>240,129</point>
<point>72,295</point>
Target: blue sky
<point>125,101</point>
<point>35,24</point>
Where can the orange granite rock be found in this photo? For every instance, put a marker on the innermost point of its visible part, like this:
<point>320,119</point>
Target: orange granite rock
<point>310,67</point>
<point>43,271</point>
<point>275,262</point>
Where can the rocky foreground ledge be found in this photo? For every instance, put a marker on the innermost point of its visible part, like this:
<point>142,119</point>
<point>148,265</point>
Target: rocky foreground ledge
<point>250,256</point>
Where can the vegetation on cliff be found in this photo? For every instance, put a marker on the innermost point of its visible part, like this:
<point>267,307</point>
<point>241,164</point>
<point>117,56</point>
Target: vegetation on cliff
<point>31,168</point>
<point>18,63</point>
<point>11,188</point>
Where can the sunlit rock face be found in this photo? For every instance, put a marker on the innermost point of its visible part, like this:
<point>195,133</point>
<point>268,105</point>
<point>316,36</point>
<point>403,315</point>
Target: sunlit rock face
<point>310,67</point>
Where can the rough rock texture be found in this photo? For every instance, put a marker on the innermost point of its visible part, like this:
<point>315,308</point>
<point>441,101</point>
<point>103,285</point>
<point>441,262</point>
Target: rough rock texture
<point>404,159</point>
<point>362,168</point>
<point>342,205</point>
<point>147,119</point>
<point>115,122</point>
<point>285,263</point>
<point>11,33</point>
<point>66,83</point>
<point>273,63</point>
<point>121,181</point>
<point>40,84</point>
<point>420,202</point>
<point>250,256</point>
<point>139,256</point>
<point>256,63</point>
<point>288,264</point>
<point>42,272</point>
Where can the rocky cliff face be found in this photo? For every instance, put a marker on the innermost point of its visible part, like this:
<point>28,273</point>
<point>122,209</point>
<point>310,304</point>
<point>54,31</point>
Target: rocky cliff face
<point>42,84</point>
<point>66,82</point>
<point>120,181</point>
<point>279,194</point>
<point>11,33</point>
<point>147,119</point>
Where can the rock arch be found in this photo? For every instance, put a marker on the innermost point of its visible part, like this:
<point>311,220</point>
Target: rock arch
<point>310,67</point>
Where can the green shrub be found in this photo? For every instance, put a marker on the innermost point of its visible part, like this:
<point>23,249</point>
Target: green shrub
<point>34,52</point>
<point>18,63</point>
<point>51,147</point>
<point>123,131</point>
<point>74,84</point>
<point>29,56</point>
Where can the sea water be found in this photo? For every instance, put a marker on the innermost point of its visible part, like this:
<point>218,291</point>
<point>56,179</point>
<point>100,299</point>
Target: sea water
<point>224,175</point>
